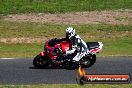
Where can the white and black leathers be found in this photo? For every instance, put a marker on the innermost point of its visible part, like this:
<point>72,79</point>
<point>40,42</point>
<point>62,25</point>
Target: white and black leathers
<point>78,45</point>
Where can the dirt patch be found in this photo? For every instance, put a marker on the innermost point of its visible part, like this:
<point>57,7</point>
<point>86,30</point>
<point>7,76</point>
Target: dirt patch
<point>22,40</point>
<point>94,17</point>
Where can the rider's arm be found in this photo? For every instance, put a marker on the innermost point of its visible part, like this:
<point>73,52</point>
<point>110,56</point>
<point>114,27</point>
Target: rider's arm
<point>72,50</point>
<point>74,46</point>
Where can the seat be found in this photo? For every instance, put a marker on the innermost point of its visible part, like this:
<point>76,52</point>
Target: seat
<point>92,45</point>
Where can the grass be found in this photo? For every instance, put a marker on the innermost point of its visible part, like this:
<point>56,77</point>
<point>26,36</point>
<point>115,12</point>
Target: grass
<point>13,29</point>
<point>69,86</point>
<point>116,38</point>
<point>55,6</point>
<point>29,29</point>
<point>20,50</point>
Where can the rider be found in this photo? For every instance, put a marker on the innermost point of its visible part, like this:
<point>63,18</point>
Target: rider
<point>78,45</point>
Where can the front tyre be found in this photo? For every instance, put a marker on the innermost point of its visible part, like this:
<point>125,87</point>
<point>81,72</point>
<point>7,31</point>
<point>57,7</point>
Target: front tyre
<point>40,62</point>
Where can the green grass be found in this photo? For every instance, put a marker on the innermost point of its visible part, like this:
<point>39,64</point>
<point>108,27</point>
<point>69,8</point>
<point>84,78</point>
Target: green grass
<point>116,38</point>
<point>55,6</point>
<point>69,86</point>
<point>20,50</point>
<point>13,29</point>
<point>23,50</point>
<point>29,29</point>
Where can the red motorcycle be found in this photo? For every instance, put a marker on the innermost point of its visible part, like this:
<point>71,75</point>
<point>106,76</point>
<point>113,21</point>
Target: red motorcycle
<point>54,54</point>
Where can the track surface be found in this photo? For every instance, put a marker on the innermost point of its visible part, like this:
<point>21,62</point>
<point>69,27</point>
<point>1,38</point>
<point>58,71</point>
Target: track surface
<point>21,71</point>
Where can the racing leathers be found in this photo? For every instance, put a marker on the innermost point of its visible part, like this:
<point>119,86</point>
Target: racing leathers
<point>79,46</point>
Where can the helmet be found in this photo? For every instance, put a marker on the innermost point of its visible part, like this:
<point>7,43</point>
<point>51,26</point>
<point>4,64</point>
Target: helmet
<point>70,32</point>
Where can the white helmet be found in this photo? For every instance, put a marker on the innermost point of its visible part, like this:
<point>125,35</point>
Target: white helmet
<point>70,32</point>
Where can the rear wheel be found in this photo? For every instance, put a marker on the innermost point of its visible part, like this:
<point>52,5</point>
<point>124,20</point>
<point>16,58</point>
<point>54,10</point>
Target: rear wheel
<point>93,60</point>
<point>88,61</point>
<point>40,61</point>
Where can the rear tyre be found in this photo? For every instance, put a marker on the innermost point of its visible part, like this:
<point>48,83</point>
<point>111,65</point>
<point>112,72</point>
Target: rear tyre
<point>88,61</point>
<point>93,60</point>
<point>40,62</point>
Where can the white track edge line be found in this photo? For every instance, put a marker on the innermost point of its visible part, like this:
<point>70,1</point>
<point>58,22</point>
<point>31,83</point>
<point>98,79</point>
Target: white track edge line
<point>7,58</point>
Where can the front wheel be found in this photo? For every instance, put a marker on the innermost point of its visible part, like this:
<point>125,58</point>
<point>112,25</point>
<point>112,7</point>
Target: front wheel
<point>40,61</point>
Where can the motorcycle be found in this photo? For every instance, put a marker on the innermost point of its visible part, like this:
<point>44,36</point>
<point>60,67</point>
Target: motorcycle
<point>54,54</point>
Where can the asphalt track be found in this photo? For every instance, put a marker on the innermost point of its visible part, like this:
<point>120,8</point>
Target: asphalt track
<point>21,71</point>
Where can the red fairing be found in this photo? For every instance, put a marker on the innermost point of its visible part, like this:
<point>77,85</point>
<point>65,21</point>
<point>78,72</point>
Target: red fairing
<point>64,45</point>
<point>49,50</point>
